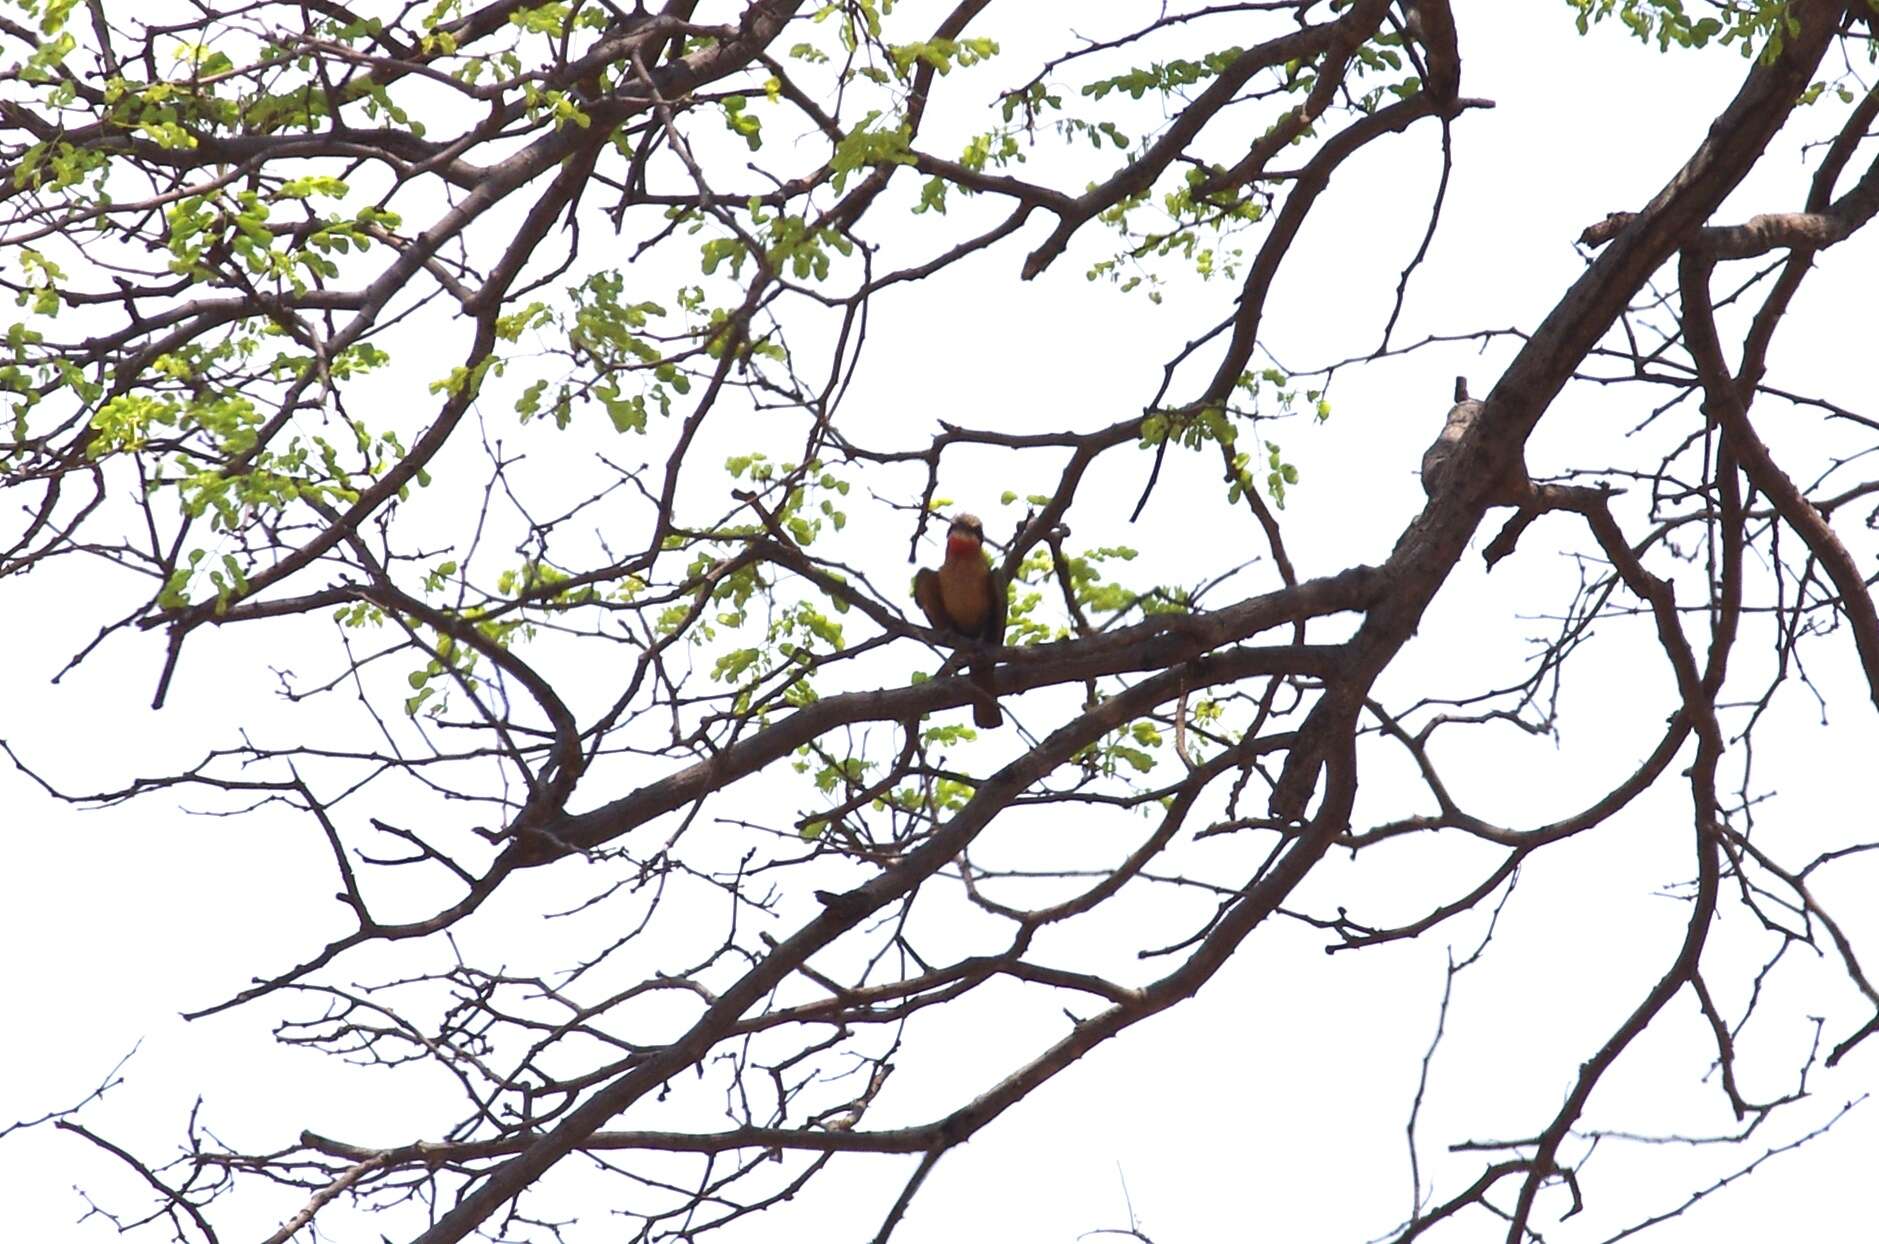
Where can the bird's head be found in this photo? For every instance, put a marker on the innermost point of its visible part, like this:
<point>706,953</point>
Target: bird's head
<point>966,536</point>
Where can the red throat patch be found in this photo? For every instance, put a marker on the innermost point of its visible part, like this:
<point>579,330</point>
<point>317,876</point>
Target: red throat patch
<point>961,546</point>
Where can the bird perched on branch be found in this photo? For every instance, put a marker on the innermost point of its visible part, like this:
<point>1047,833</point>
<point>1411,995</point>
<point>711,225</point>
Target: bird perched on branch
<point>967,597</point>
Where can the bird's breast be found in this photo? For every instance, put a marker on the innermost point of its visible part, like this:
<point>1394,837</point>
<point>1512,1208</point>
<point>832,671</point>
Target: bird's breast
<point>966,591</point>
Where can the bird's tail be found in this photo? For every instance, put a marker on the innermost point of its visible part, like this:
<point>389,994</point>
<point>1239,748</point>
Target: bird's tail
<point>985,711</point>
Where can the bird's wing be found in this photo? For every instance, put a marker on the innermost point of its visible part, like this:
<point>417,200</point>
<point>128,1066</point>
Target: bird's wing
<point>994,632</point>
<point>926,594</point>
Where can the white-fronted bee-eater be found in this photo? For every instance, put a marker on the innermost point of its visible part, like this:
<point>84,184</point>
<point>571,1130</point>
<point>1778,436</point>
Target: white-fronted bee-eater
<point>967,597</point>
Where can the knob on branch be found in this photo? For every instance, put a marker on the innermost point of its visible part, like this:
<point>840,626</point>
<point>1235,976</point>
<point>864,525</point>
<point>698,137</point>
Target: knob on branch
<point>1441,458</point>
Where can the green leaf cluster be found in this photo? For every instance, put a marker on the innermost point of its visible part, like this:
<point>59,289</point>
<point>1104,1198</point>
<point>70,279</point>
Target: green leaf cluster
<point>1669,24</point>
